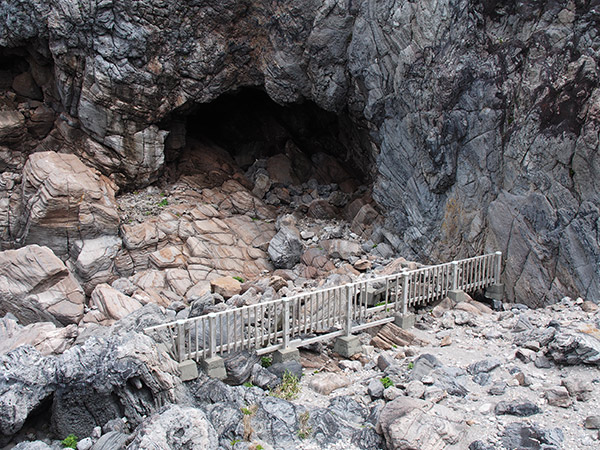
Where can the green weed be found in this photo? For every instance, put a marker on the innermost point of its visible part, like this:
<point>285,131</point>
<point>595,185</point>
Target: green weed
<point>70,441</point>
<point>386,382</point>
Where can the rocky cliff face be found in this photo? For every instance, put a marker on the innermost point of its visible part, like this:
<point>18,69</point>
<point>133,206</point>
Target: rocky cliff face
<point>482,116</point>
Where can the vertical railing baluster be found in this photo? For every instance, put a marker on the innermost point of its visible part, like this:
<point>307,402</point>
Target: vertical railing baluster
<point>405,288</point>
<point>212,336</point>
<point>180,340</point>
<point>286,323</point>
<point>349,301</point>
<point>454,275</point>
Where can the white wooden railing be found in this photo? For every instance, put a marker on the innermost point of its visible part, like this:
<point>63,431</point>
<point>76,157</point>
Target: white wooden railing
<point>323,314</point>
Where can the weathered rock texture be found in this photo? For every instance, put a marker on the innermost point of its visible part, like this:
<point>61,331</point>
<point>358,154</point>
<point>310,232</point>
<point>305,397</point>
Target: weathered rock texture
<point>103,379</point>
<point>36,286</point>
<point>483,115</point>
<point>63,201</point>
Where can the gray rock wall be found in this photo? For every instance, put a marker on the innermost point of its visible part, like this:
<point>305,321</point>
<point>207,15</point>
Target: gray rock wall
<point>484,116</point>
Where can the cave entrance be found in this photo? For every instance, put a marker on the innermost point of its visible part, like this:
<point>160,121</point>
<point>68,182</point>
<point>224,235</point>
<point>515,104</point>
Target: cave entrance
<point>293,144</point>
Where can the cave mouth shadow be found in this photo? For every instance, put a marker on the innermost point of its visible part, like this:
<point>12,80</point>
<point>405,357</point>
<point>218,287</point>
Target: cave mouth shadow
<point>250,127</point>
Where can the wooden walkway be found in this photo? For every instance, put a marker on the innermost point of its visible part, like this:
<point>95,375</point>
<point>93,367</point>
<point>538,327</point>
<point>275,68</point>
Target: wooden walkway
<point>309,317</point>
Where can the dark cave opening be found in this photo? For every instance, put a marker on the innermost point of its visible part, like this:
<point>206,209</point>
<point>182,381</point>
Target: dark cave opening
<point>36,426</point>
<point>320,145</point>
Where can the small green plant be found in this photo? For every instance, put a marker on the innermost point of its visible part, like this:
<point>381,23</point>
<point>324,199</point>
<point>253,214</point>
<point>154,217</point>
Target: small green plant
<point>374,245</point>
<point>248,384</point>
<point>248,410</point>
<point>304,430</point>
<point>235,441</point>
<point>70,441</point>
<point>380,303</point>
<point>240,279</point>
<point>254,219</point>
<point>289,387</point>
<point>259,447</point>
<point>386,382</point>
<point>266,361</point>
<point>411,365</point>
<point>163,202</point>
<point>147,213</point>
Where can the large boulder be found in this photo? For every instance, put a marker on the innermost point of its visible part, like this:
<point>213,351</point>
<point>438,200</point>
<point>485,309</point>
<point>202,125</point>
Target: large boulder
<point>36,286</point>
<point>63,201</point>
<point>572,347</point>
<point>175,428</point>
<point>285,249</point>
<point>96,260</point>
<point>408,423</point>
<point>108,304</point>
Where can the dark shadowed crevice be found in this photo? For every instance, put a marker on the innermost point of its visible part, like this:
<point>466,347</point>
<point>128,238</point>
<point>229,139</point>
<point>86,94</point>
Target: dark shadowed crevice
<point>250,126</point>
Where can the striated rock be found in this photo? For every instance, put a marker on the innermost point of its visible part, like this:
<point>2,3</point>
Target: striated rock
<point>36,286</point>
<point>407,423</point>
<point>44,336</point>
<point>530,436</point>
<point>263,378</point>
<point>321,209</point>
<point>167,257</point>
<point>362,265</point>
<point>340,248</point>
<point>111,304</point>
<point>23,386</point>
<point>343,421</point>
<point>64,200</point>
<point>391,336</point>
<point>175,427</point>
<point>285,248</point>
<point>226,287</point>
<point>95,260</point>
<point>239,367</point>
<point>570,347</point>
<point>112,440</point>
<point>11,126</point>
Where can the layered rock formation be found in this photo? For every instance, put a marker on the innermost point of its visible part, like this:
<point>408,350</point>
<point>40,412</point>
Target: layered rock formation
<point>480,118</point>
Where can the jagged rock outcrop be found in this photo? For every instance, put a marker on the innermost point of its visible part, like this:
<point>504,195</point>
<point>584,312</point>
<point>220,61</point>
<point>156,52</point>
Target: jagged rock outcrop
<point>89,384</point>
<point>36,286</point>
<point>192,430</point>
<point>483,116</point>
